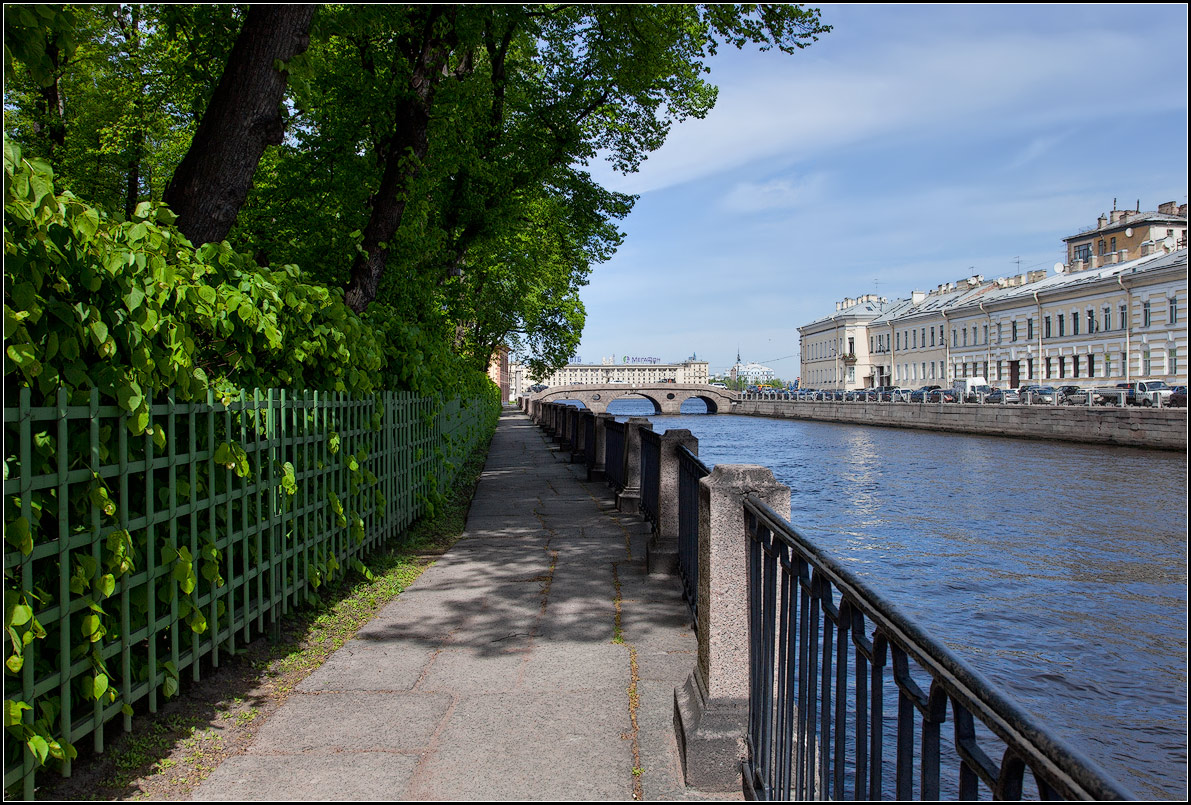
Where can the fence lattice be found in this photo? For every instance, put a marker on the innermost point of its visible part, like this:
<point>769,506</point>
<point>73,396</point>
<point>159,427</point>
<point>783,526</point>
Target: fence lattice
<point>129,558</point>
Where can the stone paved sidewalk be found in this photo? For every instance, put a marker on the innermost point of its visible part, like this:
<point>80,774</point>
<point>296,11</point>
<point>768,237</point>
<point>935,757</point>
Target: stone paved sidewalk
<point>535,660</point>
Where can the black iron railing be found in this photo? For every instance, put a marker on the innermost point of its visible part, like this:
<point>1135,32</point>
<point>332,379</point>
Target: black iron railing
<point>614,441</point>
<point>819,726</point>
<point>690,470</point>
<point>589,441</point>
<point>651,467</point>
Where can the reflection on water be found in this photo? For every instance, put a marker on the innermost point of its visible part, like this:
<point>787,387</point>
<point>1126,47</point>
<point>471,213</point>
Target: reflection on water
<point>1059,570</point>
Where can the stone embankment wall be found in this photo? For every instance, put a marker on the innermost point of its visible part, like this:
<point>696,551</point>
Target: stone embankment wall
<point>1162,429</point>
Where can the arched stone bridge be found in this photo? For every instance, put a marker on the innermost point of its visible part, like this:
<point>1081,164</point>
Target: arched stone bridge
<point>667,398</point>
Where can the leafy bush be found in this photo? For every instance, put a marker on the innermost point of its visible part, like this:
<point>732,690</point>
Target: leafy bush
<point>111,314</point>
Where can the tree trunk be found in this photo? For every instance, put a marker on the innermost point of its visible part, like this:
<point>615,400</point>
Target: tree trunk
<point>403,156</point>
<point>242,119</point>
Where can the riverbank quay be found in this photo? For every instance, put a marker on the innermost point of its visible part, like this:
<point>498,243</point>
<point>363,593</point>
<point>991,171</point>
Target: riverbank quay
<point>1152,428</point>
<point>535,660</point>
<point>810,681</point>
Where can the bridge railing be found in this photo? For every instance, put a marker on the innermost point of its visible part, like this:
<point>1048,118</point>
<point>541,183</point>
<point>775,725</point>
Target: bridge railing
<point>835,693</point>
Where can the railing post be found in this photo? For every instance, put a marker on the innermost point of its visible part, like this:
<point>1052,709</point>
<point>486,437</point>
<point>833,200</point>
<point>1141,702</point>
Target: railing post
<point>629,498</point>
<point>711,708</point>
<point>599,450</point>
<point>661,552</point>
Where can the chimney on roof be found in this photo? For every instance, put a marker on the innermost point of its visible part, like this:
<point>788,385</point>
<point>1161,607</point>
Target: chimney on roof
<point>1168,208</point>
<point>1101,222</point>
<point>916,297</point>
<point>1117,215</point>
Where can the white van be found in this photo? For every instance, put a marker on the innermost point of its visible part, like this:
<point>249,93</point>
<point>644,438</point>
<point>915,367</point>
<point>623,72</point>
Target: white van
<point>970,385</point>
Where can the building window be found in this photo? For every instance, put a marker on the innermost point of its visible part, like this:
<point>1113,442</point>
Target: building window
<point>1107,365</point>
<point>1091,365</point>
<point>1172,362</point>
<point>1091,321</point>
<point>1062,325</point>
<point>1013,331</point>
<point>986,334</point>
<point>999,334</point>
<point>1146,364</point>
<point>1046,327</point>
<point>1062,367</point>
<point>915,339</point>
<point>1029,368</point>
<point>1172,314</point>
<point>1145,315</point>
<point>1082,252</point>
<point>1075,324</point>
<point>1107,319</point>
<point>1112,244</point>
<point>1124,316</point>
<point>932,336</point>
<point>1103,247</point>
<point>1046,366</point>
<point>1075,366</point>
<point>1029,329</point>
<point>965,339</point>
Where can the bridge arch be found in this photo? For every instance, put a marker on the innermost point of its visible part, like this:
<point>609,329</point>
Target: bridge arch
<point>667,398</point>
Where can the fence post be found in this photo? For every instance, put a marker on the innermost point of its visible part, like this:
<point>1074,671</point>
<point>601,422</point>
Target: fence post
<point>661,552</point>
<point>711,708</point>
<point>629,498</point>
<point>599,450</point>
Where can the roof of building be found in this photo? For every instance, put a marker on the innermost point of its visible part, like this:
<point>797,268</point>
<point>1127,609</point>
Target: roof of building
<point>1130,220</point>
<point>965,294</point>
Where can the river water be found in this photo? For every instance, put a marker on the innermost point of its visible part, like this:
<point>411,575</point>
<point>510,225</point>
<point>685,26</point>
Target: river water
<point>1058,570</point>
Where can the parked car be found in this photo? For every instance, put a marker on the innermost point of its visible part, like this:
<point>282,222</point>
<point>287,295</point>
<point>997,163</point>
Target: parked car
<point>1045,395</point>
<point>1178,397</point>
<point>919,395</point>
<point>1075,395</point>
<point>942,395</point>
<point>1025,391</point>
<point>538,387</point>
<point>1003,396</point>
<point>976,393</point>
<point>1068,394</point>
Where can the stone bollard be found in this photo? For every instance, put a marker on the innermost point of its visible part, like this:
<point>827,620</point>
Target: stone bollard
<point>711,709</point>
<point>599,450</point>
<point>661,552</point>
<point>629,499</point>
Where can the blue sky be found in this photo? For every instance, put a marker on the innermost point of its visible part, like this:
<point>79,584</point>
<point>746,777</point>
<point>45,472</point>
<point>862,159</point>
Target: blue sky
<point>911,146</point>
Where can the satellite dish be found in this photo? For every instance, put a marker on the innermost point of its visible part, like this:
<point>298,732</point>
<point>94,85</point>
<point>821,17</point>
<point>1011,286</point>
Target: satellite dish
<point>1168,243</point>
<point>1059,268</point>
<point>1129,232</point>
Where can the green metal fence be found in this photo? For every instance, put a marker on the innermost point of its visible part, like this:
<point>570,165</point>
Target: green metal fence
<point>129,558</point>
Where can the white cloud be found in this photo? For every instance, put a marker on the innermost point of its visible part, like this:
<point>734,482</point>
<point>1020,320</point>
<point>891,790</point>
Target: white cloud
<point>775,107</point>
<point>775,194</point>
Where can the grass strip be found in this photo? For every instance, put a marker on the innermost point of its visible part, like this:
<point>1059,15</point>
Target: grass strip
<point>169,753</point>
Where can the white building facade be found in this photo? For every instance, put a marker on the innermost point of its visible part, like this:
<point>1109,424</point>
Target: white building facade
<point>634,371</point>
<point>1084,326</point>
